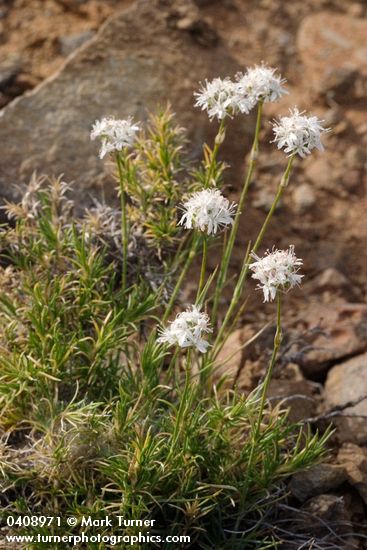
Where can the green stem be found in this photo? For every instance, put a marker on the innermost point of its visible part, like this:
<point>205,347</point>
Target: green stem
<point>218,141</point>
<point>203,267</point>
<point>171,371</point>
<point>232,237</point>
<point>189,259</point>
<point>183,403</point>
<point>277,342</point>
<point>282,186</point>
<point>246,265</point>
<point>264,390</point>
<point>235,298</point>
<point>124,222</point>
<point>213,157</point>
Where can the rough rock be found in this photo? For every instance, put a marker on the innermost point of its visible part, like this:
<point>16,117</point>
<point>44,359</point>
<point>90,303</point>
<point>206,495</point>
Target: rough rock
<point>355,156</point>
<point>300,396</point>
<point>263,199</point>
<point>70,43</point>
<point>338,84</point>
<point>330,279</point>
<point>317,480</point>
<point>230,357</point>
<point>9,69</point>
<point>333,332</point>
<point>324,172</point>
<point>136,62</point>
<point>327,511</point>
<point>347,383</point>
<point>238,359</point>
<point>303,197</point>
<point>332,43</point>
<point>354,460</point>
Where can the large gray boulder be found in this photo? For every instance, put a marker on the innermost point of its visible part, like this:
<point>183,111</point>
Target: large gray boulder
<point>152,53</point>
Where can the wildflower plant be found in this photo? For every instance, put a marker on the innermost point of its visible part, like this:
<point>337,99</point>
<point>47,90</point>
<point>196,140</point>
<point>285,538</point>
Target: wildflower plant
<point>108,395</point>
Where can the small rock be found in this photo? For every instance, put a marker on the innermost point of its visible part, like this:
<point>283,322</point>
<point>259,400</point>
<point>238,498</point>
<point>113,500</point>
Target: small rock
<point>200,29</point>
<point>338,84</point>
<point>325,512</point>
<point>230,357</point>
<point>300,396</point>
<point>354,460</point>
<point>346,383</point>
<point>329,279</point>
<point>361,129</point>
<point>356,10</point>
<point>263,200</point>
<point>303,197</point>
<point>9,70</point>
<point>321,173</point>
<point>352,181</point>
<point>331,42</point>
<point>333,116</point>
<point>317,480</point>
<point>319,523</point>
<point>186,23</point>
<point>355,156</point>
<point>70,43</point>
<point>336,331</point>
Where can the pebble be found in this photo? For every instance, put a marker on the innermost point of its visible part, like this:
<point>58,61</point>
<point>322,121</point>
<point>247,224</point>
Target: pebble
<point>303,197</point>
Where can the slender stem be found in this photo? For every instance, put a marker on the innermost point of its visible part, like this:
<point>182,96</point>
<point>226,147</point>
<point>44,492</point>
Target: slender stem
<point>264,390</point>
<point>171,371</point>
<point>232,237</point>
<point>235,298</point>
<point>187,371</point>
<point>277,342</point>
<point>218,141</point>
<point>124,222</point>
<point>246,266</point>
<point>213,157</point>
<point>203,266</point>
<point>282,186</point>
<point>189,259</point>
<point>183,402</point>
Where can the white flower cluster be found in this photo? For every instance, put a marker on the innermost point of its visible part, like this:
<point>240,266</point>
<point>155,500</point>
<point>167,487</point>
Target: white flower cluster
<point>115,134</point>
<point>187,330</point>
<point>261,83</point>
<point>224,97</point>
<point>218,98</point>
<point>277,270</point>
<point>298,134</point>
<point>208,210</point>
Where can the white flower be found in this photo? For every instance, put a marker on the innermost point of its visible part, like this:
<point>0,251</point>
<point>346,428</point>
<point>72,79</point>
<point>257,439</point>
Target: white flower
<point>260,83</point>
<point>187,330</point>
<point>298,134</point>
<point>218,98</point>
<point>115,134</point>
<point>277,270</point>
<point>208,211</point>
